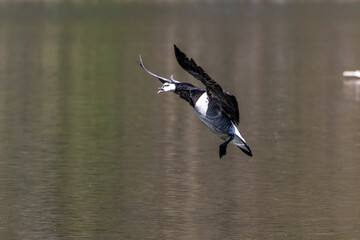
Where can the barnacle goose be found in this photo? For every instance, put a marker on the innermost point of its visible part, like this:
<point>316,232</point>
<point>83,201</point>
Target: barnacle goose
<point>215,107</point>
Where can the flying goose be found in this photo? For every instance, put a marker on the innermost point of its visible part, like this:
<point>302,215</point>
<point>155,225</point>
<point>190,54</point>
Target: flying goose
<point>215,107</point>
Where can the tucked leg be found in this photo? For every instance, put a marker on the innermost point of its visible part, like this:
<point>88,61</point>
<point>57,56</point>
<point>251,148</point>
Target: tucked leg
<point>222,147</point>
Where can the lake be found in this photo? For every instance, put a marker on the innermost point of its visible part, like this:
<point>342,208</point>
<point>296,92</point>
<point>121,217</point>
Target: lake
<point>90,151</point>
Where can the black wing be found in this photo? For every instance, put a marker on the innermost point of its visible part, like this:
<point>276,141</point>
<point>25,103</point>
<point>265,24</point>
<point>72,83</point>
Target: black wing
<point>227,102</point>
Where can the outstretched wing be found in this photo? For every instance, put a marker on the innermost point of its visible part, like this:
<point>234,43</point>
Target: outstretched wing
<point>227,102</point>
<point>162,79</point>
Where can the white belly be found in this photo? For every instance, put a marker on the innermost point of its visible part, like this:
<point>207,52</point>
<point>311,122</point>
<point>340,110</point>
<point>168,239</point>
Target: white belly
<point>201,106</point>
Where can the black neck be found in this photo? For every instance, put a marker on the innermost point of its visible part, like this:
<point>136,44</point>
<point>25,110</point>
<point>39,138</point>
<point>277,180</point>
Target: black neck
<point>189,92</point>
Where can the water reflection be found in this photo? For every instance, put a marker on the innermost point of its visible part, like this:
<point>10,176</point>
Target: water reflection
<point>90,151</point>
<point>352,89</point>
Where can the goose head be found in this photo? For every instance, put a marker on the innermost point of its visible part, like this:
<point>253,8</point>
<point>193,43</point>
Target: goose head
<point>167,87</point>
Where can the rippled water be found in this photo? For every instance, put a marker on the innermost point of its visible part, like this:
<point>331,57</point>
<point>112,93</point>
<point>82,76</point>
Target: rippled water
<point>89,150</point>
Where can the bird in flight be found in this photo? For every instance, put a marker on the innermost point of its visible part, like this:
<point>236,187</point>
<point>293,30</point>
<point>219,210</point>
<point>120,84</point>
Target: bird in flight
<point>216,108</point>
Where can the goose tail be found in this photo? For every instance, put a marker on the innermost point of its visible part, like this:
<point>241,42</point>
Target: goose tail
<point>240,142</point>
<point>242,145</point>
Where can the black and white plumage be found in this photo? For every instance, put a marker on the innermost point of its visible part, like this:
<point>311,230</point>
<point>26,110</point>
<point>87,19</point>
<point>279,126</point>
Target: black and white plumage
<point>215,107</point>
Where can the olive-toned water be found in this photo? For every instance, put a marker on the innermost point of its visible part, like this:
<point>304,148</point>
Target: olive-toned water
<point>88,150</point>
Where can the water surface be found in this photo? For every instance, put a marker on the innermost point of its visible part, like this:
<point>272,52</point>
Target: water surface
<point>90,151</point>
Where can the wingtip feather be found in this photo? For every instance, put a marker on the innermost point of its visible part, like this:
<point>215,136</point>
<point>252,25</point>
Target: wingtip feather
<point>162,79</point>
<point>141,62</point>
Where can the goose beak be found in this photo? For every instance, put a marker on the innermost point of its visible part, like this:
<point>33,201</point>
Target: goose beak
<point>161,90</point>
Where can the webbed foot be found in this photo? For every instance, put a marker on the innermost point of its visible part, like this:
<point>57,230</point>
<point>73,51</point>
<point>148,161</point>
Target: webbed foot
<point>222,147</point>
